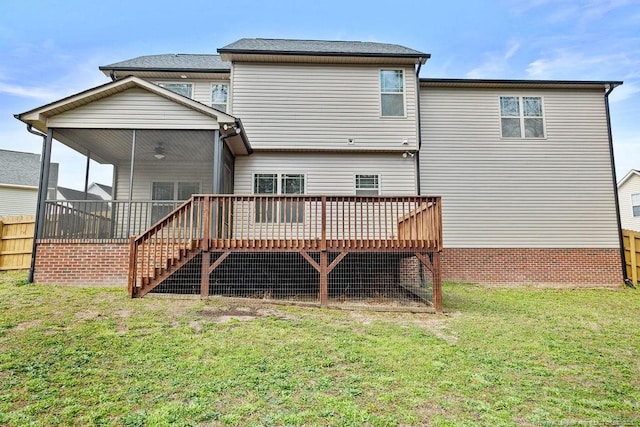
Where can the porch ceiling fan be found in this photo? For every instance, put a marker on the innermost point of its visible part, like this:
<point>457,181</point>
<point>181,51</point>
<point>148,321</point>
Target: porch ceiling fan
<point>158,152</point>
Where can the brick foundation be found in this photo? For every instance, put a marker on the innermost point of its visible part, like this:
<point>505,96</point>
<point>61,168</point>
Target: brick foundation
<point>567,266</point>
<point>61,262</point>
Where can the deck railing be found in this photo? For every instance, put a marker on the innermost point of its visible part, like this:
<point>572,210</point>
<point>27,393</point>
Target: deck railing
<point>226,223</point>
<point>325,222</point>
<point>102,219</point>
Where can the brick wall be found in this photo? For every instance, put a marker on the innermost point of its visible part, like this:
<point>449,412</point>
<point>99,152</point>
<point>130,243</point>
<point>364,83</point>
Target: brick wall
<point>572,266</point>
<point>60,262</point>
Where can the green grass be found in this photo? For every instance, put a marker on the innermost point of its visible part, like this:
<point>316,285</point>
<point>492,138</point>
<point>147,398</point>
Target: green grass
<point>501,356</point>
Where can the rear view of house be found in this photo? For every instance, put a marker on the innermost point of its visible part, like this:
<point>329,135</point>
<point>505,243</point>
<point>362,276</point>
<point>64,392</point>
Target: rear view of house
<point>332,169</point>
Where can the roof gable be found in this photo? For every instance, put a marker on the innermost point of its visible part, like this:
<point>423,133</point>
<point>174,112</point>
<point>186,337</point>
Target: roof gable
<point>631,173</point>
<point>40,116</point>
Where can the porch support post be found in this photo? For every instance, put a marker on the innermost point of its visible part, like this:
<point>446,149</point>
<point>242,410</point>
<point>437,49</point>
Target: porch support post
<point>86,175</point>
<point>133,158</point>
<point>44,183</point>
<point>217,162</point>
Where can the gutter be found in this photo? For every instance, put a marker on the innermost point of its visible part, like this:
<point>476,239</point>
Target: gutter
<point>610,87</point>
<point>41,194</point>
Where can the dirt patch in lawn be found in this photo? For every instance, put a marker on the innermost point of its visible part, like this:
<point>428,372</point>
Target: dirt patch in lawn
<point>242,313</point>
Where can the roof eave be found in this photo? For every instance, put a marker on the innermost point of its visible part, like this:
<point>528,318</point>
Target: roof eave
<point>166,70</point>
<point>514,82</point>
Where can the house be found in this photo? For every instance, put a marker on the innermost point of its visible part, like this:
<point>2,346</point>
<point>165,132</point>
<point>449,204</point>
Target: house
<point>333,161</point>
<point>100,190</point>
<point>19,178</point>
<point>629,196</point>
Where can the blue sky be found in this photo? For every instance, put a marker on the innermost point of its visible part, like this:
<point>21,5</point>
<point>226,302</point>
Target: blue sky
<point>49,52</point>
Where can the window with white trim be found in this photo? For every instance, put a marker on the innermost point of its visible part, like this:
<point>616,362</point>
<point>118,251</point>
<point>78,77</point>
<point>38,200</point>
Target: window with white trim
<point>635,204</point>
<point>392,93</point>
<point>181,88</point>
<point>521,117</point>
<point>367,185</point>
<point>272,184</point>
<point>219,95</point>
<point>170,192</point>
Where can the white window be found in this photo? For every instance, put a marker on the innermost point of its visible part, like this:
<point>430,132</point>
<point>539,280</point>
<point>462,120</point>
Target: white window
<point>521,117</point>
<point>219,95</point>
<point>170,192</point>
<point>635,204</point>
<point>184,89</point>
<point>273,183</point>
<point>392,93</point>
<point>367,185</point>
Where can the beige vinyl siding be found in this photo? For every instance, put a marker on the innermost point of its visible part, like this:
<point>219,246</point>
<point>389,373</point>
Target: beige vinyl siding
<point>534,193</point>
<point>326,174</point>
<point>133,109</point>
<point>319,107</point>
<point>18,201</point>
<point>330,173</point>
<point>630,186</point>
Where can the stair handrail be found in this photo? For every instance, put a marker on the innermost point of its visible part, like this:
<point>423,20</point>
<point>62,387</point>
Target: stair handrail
<point>192,224</point>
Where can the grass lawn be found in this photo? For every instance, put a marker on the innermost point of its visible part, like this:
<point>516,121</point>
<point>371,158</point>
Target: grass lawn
<point>501,356</point>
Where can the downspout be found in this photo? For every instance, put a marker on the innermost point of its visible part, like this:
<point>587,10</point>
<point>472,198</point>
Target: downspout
<point>623,262</point>
<point>112,74</point>
<point>36,230</point>
<point>419,125</point>
<point>423,282</point>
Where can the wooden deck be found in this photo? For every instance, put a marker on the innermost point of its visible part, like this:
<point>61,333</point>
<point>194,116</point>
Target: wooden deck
<point>225,224</point>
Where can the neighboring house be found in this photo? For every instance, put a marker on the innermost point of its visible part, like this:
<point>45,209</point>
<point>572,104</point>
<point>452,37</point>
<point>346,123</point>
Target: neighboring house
<point>100,190</point>
<point>629,197</point>
<point>301,129</point>
<point>79,199</point>
<point>19,178</point>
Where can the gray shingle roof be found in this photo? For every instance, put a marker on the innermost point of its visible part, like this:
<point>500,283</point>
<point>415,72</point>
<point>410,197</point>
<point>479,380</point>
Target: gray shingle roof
<point>18,168</point>
<point>172,62</point>
<point>71,194</point>
<point>320,47</point>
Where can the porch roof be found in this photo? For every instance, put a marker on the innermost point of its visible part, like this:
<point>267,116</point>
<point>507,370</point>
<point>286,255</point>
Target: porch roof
<point>133,103</point>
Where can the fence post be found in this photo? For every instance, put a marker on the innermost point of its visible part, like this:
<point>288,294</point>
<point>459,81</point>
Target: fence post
<point>633,257</point>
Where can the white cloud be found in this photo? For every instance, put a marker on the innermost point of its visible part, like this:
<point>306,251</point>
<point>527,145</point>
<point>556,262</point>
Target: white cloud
<point>496,64</point>
<point>624,92</point>
<point>39,93</point>
<point>563,63</point>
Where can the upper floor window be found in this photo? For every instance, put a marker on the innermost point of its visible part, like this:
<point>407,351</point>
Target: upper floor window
<point>184,89</point>
<point>367,185</point>
<point>635,204</point>
<point>219,94</point>
<point>521,117</point>
<point>392,93</point>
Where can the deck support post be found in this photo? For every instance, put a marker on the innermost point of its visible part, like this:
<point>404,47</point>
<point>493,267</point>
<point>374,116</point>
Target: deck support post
<point>324,279</point>
<point>204,274</point>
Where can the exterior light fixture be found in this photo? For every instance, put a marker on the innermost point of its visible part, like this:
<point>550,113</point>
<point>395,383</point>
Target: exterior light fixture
<point>408,154</point>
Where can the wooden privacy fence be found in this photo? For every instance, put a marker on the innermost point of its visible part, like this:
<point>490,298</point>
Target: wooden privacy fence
<point>631,240</point>
<point>16,241</point>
